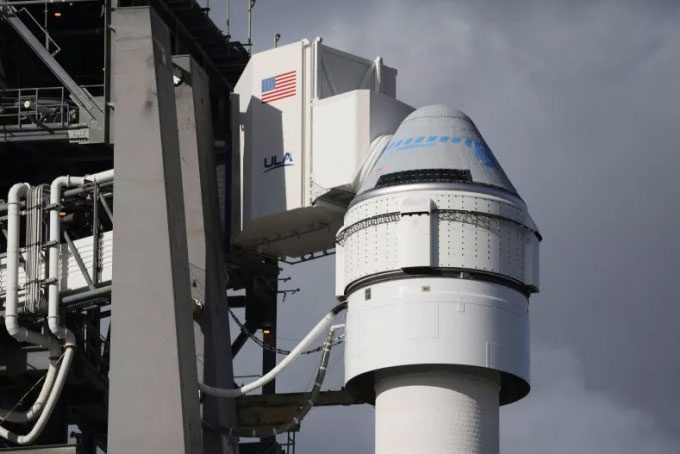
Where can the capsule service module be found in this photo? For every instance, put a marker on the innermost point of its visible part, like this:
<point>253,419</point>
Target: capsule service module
<point>437,258</point>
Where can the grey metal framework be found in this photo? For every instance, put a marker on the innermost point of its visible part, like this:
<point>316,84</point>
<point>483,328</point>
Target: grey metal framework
<point>84,100</point>
<point>78,96</point>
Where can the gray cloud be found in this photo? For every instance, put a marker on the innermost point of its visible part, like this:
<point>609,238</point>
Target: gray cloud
<point>580,102</point>
<point>562,415</point>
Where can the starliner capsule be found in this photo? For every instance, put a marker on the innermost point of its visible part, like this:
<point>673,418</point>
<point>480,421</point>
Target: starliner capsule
<point>437,258</point>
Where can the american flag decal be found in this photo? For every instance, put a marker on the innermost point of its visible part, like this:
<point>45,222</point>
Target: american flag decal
<point>278,87</point>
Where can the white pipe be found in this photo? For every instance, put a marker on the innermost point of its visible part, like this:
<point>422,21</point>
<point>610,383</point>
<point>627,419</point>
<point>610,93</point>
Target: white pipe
<point>57,186</point>
<point>49,404</point>
<point>22,334</point>
<point>378,63</point>
<point>11,312</point>
<point>309,338</point>
<point>54,382</point>
<point>100,177</point>
<point>53,320</point>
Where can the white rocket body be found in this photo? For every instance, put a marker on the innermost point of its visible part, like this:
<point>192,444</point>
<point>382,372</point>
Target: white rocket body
<point>436,259</point>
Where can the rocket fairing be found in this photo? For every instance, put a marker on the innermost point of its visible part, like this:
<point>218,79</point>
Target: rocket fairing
<point>437,258</point>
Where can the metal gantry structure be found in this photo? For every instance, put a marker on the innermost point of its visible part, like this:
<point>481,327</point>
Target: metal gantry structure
<point>139,124</point>
<point>142,86</point>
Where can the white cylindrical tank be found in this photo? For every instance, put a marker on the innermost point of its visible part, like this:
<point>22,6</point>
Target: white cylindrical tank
<point>440,410</point>
<point>436,260</point>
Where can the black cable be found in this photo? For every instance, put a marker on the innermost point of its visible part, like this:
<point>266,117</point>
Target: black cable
<point>282,351</point>
<point>305,407</point>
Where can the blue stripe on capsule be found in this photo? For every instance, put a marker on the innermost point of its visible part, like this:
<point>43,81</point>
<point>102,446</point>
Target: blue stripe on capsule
<point>483,154</point>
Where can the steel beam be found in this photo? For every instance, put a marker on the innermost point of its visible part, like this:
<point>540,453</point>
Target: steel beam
<point>153,397</point>
<point>273,410</point>
<point>238,343</point>
<point>80,96</point>
<point>204,242</point>
<point>79,261</point>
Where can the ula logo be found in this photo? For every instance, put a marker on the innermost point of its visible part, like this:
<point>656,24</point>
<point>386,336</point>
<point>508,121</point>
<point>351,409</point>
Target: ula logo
<point>273,162</point>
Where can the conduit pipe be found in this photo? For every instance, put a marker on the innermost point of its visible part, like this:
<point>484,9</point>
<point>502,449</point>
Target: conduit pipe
<point>22,334</point>
<point>11,312</point>
<point>53,320</point>
<point>56,188</point>
<point>299,348</point>
<point>100,177</point>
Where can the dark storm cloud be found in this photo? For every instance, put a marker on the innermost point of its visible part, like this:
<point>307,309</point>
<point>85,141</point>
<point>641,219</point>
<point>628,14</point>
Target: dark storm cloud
<point>580,101</point>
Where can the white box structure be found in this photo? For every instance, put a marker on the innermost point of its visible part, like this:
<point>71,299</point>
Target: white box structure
<point>305,116</point>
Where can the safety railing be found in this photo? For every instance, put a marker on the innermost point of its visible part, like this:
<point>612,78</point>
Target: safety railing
<point>40,32</point>
<point>40,108</point>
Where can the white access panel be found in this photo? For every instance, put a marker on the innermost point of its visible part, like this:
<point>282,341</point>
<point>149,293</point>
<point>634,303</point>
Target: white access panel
<point>416,226</point>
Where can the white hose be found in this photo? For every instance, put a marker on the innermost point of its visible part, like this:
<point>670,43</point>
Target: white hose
<point>49,404</point>
<point>304,343</point>
<point>24,416</point>
<point>309,402</point>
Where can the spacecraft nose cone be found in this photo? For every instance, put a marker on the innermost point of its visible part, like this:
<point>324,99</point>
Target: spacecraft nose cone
<point>436,144</point>
<point>437,111</point>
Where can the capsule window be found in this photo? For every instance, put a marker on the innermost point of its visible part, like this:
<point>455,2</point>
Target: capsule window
<point>367,294</point>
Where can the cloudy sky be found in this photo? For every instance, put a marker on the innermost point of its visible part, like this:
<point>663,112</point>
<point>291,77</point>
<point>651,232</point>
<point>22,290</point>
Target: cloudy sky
<point>580,101</point>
